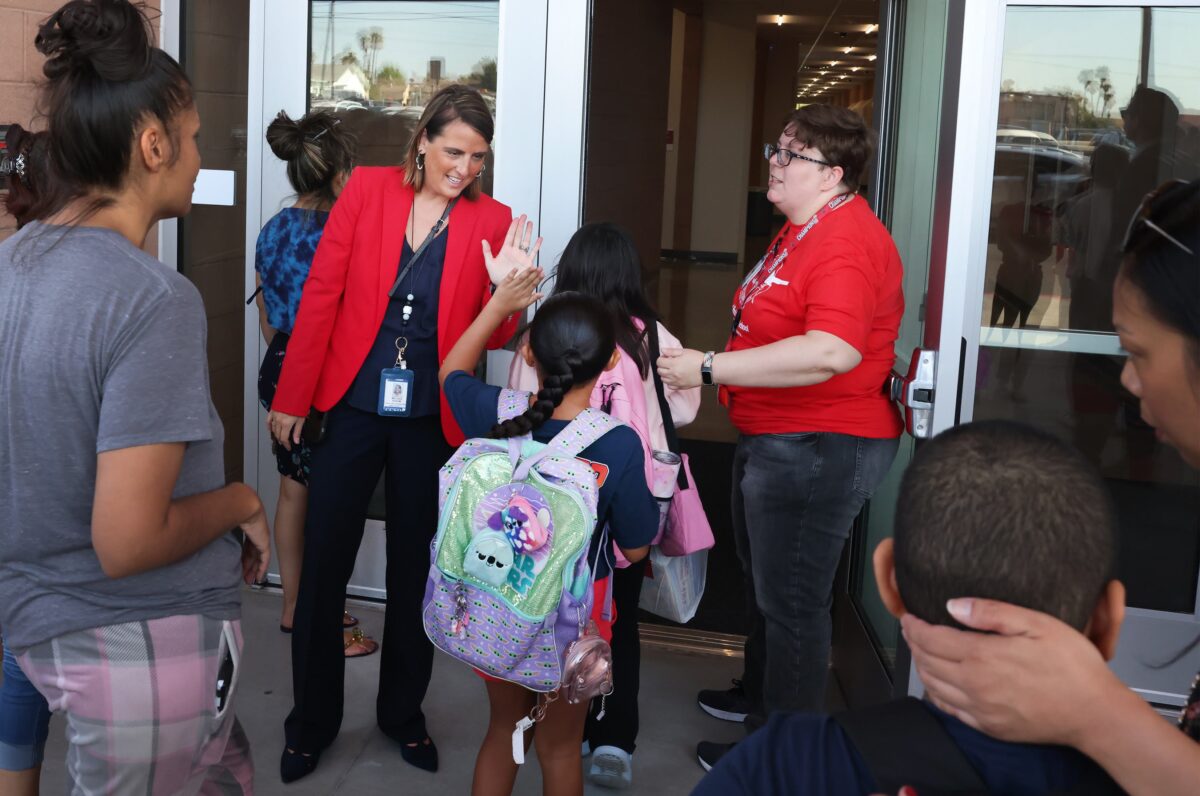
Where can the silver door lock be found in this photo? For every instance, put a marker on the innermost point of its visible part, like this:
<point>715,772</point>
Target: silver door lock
<point>914,392</point>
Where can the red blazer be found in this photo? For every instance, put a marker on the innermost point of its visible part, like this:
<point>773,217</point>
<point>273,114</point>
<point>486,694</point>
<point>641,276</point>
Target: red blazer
<point>345,296</point>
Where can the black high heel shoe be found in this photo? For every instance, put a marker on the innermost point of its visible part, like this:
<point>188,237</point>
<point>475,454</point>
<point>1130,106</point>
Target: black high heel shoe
<point>295,765</point>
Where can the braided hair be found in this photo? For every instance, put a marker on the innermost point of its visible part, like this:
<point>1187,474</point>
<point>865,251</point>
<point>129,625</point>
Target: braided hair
<point>572,338</point>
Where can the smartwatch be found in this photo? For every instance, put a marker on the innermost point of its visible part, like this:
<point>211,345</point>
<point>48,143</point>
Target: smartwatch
<point>706,375</point>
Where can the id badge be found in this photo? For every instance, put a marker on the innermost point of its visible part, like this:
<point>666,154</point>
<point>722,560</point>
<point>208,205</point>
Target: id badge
<point>395,392</point>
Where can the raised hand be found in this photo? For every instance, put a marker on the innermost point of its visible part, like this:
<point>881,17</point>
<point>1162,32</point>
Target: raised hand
<point>517,291</point>
<point>519,251</point>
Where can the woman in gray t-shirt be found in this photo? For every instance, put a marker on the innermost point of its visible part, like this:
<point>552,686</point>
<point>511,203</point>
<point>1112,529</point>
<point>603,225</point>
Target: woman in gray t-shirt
<point>119,574</point>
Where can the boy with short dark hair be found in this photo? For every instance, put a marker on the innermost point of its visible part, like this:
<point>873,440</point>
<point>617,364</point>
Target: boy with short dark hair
<point>995,510</point>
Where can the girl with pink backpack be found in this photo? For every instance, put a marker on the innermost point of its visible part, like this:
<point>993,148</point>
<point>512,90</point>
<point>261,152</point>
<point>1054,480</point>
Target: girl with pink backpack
<point>601,261</point>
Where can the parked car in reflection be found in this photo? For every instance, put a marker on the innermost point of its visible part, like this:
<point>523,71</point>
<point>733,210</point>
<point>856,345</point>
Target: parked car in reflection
<point>1013,135</point>
<point>1037,177</point>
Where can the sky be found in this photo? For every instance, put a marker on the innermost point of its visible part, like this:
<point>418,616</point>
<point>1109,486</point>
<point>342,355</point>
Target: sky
<point>1047,48</point>
<point>413,32</point>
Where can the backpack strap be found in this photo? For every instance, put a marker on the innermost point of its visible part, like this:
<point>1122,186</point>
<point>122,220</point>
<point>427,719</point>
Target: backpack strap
<point>512,403</point>
<point>664,407</point>
<point>587,427</point>
<point>904,744</point>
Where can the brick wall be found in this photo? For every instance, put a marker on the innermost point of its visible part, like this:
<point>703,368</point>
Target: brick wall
<point>21,66</point>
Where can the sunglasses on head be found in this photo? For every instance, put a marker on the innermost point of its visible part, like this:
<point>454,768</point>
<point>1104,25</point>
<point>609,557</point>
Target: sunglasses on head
<point>1153,210</point>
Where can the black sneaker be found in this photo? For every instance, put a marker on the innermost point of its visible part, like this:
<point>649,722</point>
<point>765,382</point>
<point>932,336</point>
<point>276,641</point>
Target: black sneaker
<point>708,753</point>
<point>728,705</point>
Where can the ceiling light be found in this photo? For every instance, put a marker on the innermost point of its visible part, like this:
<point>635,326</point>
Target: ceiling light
<point>824,72</point>
<point>843,77</point>
<point>871,57</point>
<point>834,63</point>
<point>779,19</point>
<point>871,29</point>
<point>847,50</point>
<point>855,68</point>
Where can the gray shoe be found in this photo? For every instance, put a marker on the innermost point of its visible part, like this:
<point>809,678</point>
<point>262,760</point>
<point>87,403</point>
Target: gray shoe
<point>612,767</point>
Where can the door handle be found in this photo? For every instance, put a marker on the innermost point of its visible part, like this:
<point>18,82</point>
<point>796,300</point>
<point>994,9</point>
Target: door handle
<point>914,391</point>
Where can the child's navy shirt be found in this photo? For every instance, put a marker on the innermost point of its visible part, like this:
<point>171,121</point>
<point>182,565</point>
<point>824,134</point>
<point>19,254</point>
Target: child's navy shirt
<point>802,753</point>
<point>625,501</point>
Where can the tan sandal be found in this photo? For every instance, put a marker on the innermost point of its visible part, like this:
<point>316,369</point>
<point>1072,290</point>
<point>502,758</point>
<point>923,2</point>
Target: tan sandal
<point>357,638</point>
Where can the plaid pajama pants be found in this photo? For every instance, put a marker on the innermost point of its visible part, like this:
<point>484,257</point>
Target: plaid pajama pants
<point>141,706</point>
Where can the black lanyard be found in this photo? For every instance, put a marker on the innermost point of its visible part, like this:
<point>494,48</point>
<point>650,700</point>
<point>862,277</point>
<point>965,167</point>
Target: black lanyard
<point>433,233</point>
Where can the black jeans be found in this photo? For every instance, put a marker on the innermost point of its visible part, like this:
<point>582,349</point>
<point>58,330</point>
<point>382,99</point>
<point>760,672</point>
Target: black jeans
<point>619,727</point>
<point>795,497</point>
<point>345,469</point>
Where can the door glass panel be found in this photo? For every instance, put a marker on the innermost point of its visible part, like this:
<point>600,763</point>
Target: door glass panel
<point>214,51</point>
<point>1098,106</point>
<point>376,64</point>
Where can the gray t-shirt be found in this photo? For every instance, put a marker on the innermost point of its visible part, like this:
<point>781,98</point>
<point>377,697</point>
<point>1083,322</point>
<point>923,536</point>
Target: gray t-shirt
<point>102,347</point>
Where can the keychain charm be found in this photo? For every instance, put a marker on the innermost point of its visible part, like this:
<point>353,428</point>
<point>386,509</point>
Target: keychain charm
<point>395,384</point>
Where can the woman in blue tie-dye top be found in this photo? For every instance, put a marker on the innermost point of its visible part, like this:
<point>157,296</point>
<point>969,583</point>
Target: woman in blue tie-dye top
<point>319,157</point>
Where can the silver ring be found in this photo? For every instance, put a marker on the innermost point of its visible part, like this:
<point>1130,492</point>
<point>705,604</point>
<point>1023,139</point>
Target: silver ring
<point>524,249</point>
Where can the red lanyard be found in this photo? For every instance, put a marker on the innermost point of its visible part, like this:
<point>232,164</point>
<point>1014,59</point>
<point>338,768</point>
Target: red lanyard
<point>774,259</point>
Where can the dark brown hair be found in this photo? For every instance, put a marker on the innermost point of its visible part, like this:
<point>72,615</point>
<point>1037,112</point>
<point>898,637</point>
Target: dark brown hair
<point>839,134</point>
<point>103,78</point>
<point>317,149</point>
<point>32,193</point>
<point>454,102</point>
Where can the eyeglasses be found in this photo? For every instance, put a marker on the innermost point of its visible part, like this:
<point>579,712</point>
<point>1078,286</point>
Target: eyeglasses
<point>785,156</point>
<point>1157,204</point>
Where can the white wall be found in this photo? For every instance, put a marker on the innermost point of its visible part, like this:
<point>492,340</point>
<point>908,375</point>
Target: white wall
<point>723,128</point>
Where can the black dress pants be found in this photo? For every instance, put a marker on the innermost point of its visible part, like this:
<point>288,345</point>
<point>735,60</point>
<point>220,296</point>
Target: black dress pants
<point>345,469</point>
<point>619,727</point>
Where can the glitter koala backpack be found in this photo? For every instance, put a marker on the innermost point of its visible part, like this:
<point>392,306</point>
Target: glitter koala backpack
<point>510,586</point>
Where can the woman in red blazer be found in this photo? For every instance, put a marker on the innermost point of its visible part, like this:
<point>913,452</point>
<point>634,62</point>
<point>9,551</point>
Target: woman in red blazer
<point>404,266</point>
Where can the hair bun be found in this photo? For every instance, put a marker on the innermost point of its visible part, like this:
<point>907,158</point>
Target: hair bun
<point>110,38</point>
<point>285,137</point>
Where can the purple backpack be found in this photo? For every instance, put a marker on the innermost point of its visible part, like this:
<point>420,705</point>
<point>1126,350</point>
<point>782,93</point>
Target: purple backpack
<point>510,586</point>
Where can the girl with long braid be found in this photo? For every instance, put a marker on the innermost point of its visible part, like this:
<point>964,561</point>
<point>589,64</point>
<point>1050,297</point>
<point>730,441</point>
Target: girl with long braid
<point>571,341</point>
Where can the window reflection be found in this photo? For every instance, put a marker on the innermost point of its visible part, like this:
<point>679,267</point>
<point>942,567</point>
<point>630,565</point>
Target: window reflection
<point>1088,124</point>
<point>376,64</point>
<point>1091,119</point>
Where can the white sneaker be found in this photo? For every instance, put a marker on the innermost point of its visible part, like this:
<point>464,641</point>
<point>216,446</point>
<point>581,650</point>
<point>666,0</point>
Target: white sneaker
<point>612,767</point>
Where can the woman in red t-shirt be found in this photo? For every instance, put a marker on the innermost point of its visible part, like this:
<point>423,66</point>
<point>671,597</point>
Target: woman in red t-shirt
<point>802,376</point>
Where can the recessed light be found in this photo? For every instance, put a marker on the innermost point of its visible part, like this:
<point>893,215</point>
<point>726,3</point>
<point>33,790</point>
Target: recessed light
<point>779,19</point>
<point>871,29</point>
<point>855,68</point>
<point>871,57</point>
<point>824,72</point>
<point>847,50</point>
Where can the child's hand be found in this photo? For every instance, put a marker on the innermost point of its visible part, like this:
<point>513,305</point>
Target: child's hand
<point>517,291</point>
<point>518,252</point>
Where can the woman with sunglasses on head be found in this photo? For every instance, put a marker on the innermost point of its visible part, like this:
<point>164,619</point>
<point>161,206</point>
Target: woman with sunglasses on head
<point>408,259</point>
<point>810,347</point>
<point>1032,678</point>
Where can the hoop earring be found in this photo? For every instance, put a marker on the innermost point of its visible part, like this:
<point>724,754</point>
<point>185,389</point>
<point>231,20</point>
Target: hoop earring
<point>482,169</point>
<point>420,161</point>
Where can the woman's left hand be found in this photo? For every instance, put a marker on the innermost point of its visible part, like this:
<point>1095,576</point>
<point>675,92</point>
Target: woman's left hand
<point>518,253</point>
<point>680,367</point>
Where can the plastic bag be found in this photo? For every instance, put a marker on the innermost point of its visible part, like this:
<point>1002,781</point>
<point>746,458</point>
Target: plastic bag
<point>674,585</point>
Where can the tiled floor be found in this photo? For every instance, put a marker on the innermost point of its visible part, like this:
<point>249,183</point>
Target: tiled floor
<point>364,762</point>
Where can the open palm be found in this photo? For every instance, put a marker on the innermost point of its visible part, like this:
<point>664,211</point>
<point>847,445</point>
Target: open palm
<point>519,251</point>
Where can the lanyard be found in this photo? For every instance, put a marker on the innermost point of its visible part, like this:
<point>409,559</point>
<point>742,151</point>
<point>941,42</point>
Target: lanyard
<point>774,259</point>
<point>424,245</point>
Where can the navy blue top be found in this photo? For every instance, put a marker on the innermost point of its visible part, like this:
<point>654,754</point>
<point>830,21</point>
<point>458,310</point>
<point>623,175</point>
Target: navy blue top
<point>424,283</point>
<point>625,501</point>
<point>810,753</point>
<point>282,256</point>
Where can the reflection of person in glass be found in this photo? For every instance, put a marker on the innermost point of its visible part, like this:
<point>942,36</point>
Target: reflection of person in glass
<point>1033,678</point>
<point>812,342</point>
<point>404,266</point>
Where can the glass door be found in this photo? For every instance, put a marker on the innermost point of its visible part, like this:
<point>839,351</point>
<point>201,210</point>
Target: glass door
<point>1076,112</point>
<point>375,63</point>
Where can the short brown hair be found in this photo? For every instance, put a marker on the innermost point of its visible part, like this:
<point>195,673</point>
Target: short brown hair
<point>452,102</point>
<point>840,134</point>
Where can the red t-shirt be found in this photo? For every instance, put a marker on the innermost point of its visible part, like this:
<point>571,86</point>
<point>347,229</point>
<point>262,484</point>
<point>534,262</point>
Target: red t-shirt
<point>844,278</point>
